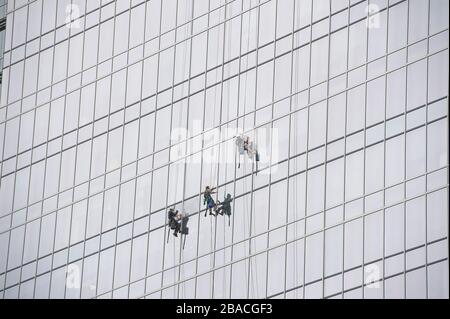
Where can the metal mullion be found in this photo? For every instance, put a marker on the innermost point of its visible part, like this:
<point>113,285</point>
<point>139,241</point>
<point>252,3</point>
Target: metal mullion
<point>2,154</point>
<point>60,163</point>
<point>121,157</point>
<point>295,179</point>
<point>307,149</point>
<point>252,176</point>
<point>153,149</point>
<point>405,155</point>
<point>75,169</point>
<point>181,255</point>
<point>271,150</point>
<point>15,171</point>
<point>2,150</point>
<point>290,118</point>
<point>45,164</point>
<point>29,176</point>
<point>202,147</point>
<point>252,190</point>
<point>139,60</point>
<point>218,67</point>
<point>344,206</point>
<point>448,135</point>
<point>45,167</point>
<point>220,138</point>
<point>326,154</point>
<point>235,151</point>
<point>137,156</point>
<point>244,175</point>
<point>103,192</point>
<point>365,153</point>
<point>168,166</point>
<point>386,57</point>
<point>83,259</point>
<point>226,147</point>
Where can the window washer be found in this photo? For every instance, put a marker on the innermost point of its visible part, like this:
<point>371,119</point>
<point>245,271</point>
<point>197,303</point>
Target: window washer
<point>184,230</point>
<point>241,148</point>
<point>208,200</point>
<point>247,145</point>
<point>244,145</point>
<point>174,223</point>
<point>225,206</point>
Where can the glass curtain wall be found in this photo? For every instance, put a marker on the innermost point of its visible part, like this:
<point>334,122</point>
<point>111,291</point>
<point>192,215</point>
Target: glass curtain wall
<point>114,111</point>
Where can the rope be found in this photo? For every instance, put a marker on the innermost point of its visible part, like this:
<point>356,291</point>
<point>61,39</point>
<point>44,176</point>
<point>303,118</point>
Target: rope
<point>189,8</point>
<point>253,270</point>
<point>226,156</point>
<point>245,228</point>
<point>213,158</point>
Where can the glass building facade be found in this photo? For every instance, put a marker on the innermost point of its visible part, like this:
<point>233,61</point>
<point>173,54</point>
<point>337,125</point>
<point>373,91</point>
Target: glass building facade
<point>114,111</point>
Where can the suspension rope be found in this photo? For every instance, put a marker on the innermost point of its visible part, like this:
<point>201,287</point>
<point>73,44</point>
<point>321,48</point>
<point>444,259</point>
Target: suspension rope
<point>189,8</point>
<point>213,158</point>
<point>253,275</point>
<point>226,155</point>
<point>248,274</point>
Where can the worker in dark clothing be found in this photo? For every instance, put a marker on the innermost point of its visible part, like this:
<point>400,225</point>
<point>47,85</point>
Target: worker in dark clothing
<point>174,224</point>
<point>247,144</point>
<point>225,206</point>
<point>208,200</point>
<point>184,230</point>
